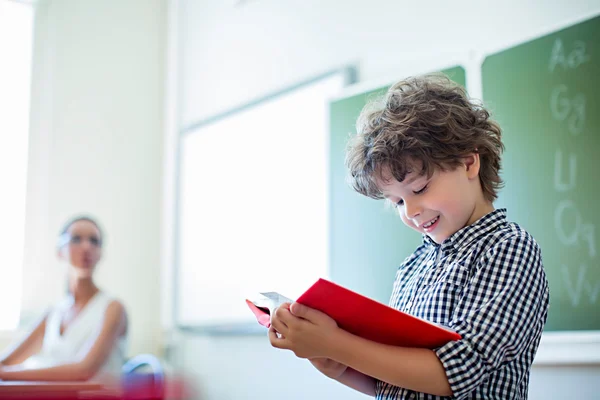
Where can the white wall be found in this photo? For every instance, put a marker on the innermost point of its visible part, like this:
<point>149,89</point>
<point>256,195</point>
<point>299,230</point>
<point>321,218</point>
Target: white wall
<point>230,55</point>
<point>96,147</point>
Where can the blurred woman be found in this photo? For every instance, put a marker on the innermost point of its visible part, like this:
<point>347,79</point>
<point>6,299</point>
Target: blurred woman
<point>83,336</point>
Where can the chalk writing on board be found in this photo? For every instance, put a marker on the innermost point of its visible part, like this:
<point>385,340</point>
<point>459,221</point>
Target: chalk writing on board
<point>580,232</point>
<point>571,227</point>
<point>570,109</point>
<point>581,286</point>
<point>573,59</point>
<point>560,184</point>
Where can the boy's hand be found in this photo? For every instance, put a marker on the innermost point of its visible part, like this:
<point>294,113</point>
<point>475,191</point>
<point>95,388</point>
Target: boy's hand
<point>328,367</point>
<point>306,331</point>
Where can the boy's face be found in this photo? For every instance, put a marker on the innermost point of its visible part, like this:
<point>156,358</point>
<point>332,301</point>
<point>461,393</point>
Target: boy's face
<point>441,205</point>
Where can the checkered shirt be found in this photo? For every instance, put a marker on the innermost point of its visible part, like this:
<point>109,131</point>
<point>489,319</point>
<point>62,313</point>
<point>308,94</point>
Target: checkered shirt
<point>487,283</point>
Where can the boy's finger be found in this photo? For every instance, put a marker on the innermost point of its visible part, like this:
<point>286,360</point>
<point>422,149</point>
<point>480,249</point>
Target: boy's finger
<point>301,311</point>
<point>282,314</point>
<point>278,324</point>
<point>277,340</point>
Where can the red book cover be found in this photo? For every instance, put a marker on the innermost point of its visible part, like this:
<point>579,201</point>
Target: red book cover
<point>371,319</point>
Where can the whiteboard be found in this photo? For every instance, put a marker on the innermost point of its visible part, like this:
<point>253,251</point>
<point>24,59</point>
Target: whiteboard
<point>252,212</point>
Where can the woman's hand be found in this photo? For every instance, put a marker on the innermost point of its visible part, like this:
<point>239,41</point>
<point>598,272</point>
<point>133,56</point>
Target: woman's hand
<point>328,367</point>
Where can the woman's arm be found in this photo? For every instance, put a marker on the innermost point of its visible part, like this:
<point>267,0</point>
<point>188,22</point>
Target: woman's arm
<point>113,326</point>
<point>28,346</point>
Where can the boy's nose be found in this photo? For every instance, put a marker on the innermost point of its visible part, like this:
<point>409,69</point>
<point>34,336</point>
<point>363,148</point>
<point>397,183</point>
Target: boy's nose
<point>411,209</point>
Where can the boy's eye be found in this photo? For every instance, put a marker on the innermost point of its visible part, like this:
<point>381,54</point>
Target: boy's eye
<point>75,239</point>
<point>421,190</point>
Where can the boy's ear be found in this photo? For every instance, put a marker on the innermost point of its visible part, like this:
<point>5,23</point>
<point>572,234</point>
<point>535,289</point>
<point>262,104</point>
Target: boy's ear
<point>472,165</point>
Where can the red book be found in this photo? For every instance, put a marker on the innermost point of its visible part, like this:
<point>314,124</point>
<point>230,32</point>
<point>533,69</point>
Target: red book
<point>365,317</point>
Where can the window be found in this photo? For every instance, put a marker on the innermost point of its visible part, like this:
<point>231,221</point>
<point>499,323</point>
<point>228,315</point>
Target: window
<point>16,36</point>
<point>253,205</point>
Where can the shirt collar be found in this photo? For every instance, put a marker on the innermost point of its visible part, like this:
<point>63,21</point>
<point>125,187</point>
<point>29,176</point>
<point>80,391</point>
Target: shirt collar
<point>466,235</point>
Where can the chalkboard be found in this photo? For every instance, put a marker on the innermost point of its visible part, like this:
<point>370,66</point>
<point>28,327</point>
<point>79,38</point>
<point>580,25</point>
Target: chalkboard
<point>367,240</point>
<point>546,95</point>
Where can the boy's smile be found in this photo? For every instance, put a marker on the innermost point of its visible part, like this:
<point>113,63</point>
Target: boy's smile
<point>429,226</point>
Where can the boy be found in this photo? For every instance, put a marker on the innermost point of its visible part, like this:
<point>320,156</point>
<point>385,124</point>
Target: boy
<point>435,155</point>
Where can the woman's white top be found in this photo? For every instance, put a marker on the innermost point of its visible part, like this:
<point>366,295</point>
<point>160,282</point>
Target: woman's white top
<point>79,336</point>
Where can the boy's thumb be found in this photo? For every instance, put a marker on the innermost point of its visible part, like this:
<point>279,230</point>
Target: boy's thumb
<point>298,309</point>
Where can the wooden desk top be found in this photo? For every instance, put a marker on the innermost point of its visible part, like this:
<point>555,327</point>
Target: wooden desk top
<point>37,386</point>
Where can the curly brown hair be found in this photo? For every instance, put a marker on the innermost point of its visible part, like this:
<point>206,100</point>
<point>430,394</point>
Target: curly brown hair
<point>423,123</point>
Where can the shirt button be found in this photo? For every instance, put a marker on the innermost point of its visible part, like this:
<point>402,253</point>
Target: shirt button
<point>429,263</point>
<point>412,396</point>
<point>409,305</point>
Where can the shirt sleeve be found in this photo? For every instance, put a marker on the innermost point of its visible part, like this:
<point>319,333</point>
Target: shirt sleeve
<point>497,313</point>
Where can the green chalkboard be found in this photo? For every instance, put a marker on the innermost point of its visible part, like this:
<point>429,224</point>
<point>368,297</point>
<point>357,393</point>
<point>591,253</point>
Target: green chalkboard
<point>367,240</point>
<point>546,96</point>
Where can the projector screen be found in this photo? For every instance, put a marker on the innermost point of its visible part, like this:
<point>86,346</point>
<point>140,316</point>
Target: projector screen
<point>252,211</point>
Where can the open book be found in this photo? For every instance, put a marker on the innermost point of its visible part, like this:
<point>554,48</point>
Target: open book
<point>360,316</point>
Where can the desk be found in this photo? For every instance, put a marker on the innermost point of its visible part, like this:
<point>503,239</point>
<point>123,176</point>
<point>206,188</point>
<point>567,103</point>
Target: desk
<point>46,390</point>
